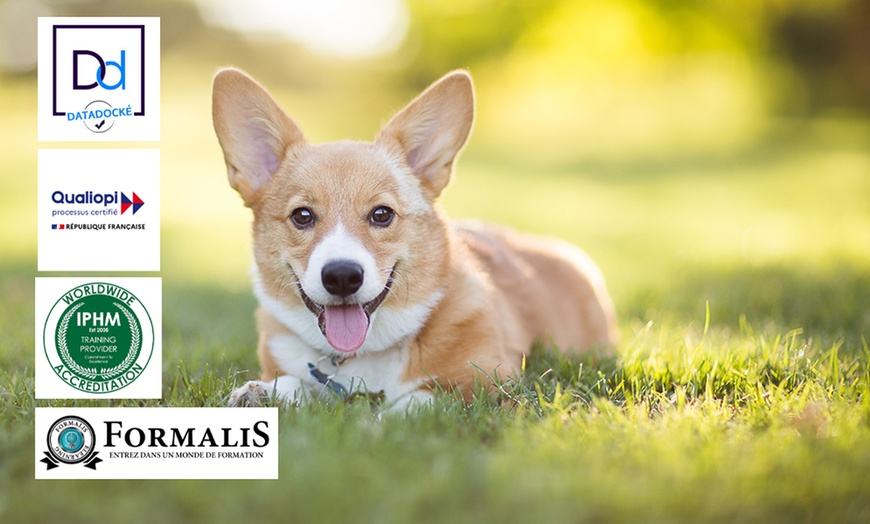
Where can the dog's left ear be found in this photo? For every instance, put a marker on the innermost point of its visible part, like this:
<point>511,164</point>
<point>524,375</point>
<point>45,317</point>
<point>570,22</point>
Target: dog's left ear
<point>432,129</point>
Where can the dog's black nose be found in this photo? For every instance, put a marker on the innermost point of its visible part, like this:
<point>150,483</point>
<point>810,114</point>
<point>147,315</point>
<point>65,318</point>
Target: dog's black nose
<point>342,277</point>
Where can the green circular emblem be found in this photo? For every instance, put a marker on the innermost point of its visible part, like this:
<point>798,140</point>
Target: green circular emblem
<point>98,337</point>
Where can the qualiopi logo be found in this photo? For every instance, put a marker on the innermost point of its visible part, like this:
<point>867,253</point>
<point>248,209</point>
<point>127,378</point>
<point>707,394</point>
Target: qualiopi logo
<point>100,81</point>
<point>90,204</point>
<point>135,203</point>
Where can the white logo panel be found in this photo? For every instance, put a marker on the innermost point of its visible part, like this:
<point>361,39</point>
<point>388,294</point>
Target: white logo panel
<point>99,79</point>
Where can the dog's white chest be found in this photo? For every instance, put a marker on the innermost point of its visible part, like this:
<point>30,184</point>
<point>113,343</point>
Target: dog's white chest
<point>380,372</point>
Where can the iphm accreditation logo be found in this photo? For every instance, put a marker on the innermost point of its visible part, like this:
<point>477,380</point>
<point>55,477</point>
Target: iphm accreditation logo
<point>98,78</point>
<point>98,339</point>
<point>94,338</point>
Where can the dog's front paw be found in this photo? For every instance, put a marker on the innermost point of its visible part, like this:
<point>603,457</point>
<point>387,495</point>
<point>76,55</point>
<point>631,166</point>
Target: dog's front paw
<point>252,393</point>
<point>285,390</point>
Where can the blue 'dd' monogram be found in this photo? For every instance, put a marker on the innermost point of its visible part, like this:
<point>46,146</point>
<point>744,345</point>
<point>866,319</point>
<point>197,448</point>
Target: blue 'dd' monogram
<point>102,67</point>
<point>71,440</point>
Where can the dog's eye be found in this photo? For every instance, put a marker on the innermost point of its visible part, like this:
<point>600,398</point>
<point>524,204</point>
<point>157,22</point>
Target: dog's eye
<point>381,216</point>
<point>302,217</point>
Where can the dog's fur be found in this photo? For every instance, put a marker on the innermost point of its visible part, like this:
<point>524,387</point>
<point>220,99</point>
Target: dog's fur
<point>460,298</point>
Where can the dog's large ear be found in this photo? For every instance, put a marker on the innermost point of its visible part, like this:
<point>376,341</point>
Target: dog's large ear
<point>432,129</point>
<point>253,131</point>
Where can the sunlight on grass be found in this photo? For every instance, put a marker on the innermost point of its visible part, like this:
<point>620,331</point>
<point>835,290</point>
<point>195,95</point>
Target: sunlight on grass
<point>737,249</point>
<point>607,79</point>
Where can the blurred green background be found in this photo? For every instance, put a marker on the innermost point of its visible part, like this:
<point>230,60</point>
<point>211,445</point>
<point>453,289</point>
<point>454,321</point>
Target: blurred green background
<point>699,150</point>
<point>703,152</point>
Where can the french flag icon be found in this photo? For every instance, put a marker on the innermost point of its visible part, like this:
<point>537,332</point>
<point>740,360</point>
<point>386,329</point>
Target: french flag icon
<point>126,203</point>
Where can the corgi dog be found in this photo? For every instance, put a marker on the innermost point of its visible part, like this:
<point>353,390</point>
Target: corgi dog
<point>364,285</point>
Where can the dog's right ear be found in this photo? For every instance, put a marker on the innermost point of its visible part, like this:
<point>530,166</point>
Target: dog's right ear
<point>253,131</point>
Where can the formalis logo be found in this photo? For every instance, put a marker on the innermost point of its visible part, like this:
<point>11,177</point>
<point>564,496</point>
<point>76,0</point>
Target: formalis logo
<point>156,443</point>
<point>96,78</point>
<point>99,338</point>
<point>71,441</point>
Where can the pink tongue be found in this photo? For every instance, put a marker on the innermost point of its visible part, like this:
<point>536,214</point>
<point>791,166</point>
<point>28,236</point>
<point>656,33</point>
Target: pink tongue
<point>346,327</point>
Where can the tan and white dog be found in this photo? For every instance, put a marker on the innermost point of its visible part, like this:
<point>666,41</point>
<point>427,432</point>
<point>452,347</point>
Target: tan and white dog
<point>363,284</point>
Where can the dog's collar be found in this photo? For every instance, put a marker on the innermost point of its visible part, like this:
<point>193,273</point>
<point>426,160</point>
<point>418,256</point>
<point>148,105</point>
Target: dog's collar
<point>327,379</point>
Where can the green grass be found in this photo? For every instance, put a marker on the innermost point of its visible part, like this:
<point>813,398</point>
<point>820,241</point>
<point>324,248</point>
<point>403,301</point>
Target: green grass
<point>740,391</point>
<point>688,423</point>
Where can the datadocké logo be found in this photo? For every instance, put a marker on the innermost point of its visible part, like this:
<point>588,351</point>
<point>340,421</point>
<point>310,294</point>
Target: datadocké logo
<point>71,440</point>
<point>98,74</point>
<point>98,338</point>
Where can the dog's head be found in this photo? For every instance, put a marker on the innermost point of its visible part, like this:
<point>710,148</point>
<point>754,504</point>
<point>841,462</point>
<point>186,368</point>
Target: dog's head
<point>345,233</point>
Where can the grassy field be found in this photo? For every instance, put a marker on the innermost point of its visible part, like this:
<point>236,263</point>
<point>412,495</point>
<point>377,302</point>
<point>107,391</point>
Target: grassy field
<point>740,391</point>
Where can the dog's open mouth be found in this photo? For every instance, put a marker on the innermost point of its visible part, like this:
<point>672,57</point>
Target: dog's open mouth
<point>345,326</point>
